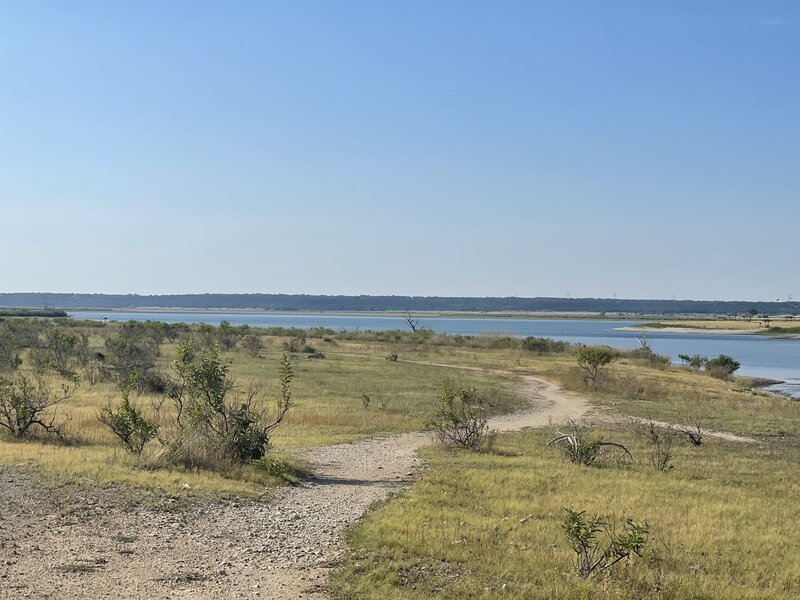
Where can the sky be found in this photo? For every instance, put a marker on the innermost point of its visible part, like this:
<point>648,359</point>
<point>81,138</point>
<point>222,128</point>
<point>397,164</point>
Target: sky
<point>414,147</point>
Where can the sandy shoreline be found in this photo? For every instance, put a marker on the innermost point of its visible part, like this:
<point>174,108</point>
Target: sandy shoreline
<point>759,332</point>
<point>686,330</point>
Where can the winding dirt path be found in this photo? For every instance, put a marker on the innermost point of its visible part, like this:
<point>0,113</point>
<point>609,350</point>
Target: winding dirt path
<point>100,543</point>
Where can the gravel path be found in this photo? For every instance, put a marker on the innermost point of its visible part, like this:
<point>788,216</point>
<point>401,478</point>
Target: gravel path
<point>95,542</point>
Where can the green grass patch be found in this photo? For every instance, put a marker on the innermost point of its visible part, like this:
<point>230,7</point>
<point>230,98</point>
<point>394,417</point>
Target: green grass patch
<point>480,526</point>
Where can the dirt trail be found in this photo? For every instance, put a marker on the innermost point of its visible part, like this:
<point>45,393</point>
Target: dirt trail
<point>87,543</point>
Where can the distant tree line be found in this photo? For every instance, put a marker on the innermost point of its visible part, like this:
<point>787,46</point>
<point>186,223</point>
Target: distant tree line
<point>32,312</point>
<point>303,302</point>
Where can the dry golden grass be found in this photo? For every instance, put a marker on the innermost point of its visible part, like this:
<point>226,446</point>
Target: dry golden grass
<point>327,408</point>
<point>755,325</point>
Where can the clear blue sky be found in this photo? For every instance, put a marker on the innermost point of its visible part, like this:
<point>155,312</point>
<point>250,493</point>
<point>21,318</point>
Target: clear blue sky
<point>647,149</point>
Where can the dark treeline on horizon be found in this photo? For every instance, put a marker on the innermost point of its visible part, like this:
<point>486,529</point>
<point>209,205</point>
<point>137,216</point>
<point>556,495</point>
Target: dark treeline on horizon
<point>303,302</point>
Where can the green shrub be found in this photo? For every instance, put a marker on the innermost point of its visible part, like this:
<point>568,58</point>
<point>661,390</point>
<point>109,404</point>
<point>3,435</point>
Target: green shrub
<point>722,366</point>
<point>128,424</point>
<point>591,360</point>
<point>217,424</point>
<point>543,345</point>
<point>596,555</point>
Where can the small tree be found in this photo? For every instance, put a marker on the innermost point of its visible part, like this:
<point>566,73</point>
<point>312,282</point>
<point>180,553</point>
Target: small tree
<point>27,405</point>
<point>127,359</point>
<point>128,424</point>
<point>596,555</point>
<point>591,360</point>
<point>461,418</point>
<point>411,322</point>
<point>227,335</point>
<point>694,362</point>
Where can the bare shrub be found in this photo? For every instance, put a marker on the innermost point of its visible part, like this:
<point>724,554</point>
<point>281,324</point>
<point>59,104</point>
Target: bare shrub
<point>583,451</point>
<point>461,418</point>
<point>297,344</point>
<point>693,434</point>
<point>661,440</point>
<point>28,405</point>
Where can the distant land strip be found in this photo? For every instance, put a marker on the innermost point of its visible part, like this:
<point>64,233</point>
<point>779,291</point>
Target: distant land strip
<point>322,303</point>
<point>31,312</point>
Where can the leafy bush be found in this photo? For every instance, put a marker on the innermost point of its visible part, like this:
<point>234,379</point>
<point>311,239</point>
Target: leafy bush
<point>543,345</point>
<point>218,425</point>
<point>461,418</point>
<point>591,360</point>
<point>9,356</point>
<point>128,359</point>
<point>596,555</point>
<point>722,366</point>
<point>128,424</point>
<point>60,351</point>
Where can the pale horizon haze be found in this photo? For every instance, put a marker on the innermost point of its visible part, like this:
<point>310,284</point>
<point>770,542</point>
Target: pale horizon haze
<point>471,148</point>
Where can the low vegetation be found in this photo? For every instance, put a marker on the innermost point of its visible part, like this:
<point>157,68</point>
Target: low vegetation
<point>492,525</point>
<point>580,449</point>
<point>599,545</point>
<point>745,323</point>
<point>161,405</point>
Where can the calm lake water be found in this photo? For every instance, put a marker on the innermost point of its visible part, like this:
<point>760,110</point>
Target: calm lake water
<point>760,356</point>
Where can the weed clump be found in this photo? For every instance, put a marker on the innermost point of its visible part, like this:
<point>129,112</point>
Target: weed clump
<point>581,450</point>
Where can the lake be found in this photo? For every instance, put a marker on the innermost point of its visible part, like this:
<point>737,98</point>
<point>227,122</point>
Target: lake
<point>760,356</point>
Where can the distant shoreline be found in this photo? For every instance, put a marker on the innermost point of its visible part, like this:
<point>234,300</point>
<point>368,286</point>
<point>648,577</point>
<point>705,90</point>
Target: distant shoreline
<point>371,313</point>
<point>678,329</point>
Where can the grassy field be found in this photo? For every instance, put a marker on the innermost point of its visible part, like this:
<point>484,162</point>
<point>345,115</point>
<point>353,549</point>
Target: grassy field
<point>631,386</point>
<point>328,407</point>
<point>488,525</point>
<point>776,326</point>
